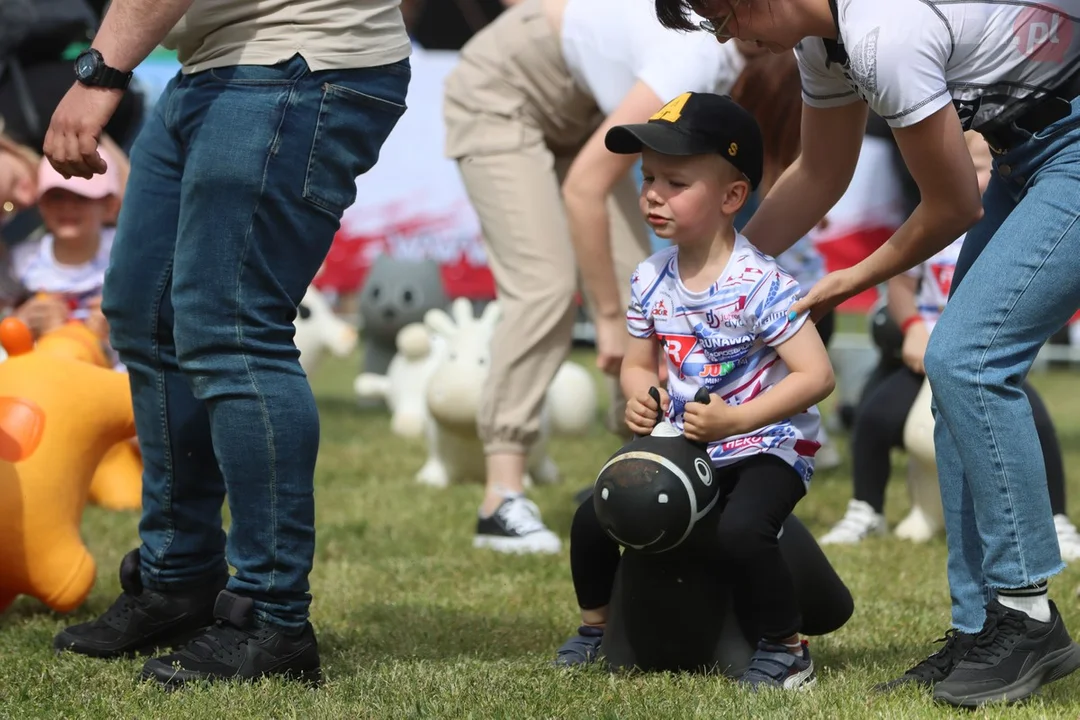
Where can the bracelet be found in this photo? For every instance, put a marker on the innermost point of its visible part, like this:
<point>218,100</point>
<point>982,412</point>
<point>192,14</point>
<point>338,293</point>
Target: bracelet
<point>906,325</point>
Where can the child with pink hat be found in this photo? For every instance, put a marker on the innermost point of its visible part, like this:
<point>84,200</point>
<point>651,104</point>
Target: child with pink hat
<point>64,270</point>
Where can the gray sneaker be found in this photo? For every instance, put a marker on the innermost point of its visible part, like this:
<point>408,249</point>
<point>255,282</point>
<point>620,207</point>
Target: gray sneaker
<point>581,649</point>
<point>773,666</point>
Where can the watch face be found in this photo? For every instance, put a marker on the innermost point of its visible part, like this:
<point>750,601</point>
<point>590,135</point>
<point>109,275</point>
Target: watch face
<point>84,66</point>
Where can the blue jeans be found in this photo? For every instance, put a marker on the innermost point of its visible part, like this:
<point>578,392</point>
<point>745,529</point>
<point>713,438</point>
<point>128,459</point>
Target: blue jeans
<point>238,182</point>
<point>1017,282</point>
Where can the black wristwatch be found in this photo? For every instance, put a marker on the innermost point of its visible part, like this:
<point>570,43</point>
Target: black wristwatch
<point>91,70</point>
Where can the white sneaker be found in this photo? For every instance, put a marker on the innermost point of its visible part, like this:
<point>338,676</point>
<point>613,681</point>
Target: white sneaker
<point>1068,538</point>
<point>858,523</point>
<point>515,527</point>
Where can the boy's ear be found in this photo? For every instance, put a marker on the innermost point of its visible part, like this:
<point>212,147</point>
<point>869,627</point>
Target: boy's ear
<point>736,196</point>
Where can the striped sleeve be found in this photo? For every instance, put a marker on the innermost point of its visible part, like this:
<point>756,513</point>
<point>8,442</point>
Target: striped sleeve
<point>770,302</point>
<point>638,321</point>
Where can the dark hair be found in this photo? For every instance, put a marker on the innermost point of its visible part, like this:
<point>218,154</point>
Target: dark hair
<point>675,14</point>
<point>770,89</point>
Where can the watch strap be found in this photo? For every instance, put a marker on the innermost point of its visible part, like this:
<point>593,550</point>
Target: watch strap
<point>112,78</point>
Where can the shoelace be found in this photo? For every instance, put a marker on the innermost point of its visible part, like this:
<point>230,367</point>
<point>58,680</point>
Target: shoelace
<point>943,659</point>
<point>999,627</point>
<point>522,516</point>
<point>222,641</point>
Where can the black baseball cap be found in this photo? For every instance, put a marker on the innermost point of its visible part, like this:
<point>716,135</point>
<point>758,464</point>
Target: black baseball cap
<point>697,124</point>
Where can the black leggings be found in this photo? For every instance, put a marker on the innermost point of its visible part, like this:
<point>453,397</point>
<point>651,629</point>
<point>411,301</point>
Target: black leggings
<point>757,495</point>
<point>879,427</point>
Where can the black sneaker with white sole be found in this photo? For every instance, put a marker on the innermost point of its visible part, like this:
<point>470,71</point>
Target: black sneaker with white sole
<point>1012,657</point>
<point>234,648</point>
<point>142,619</point>
<point>937,667</point>
<point>515,527</point>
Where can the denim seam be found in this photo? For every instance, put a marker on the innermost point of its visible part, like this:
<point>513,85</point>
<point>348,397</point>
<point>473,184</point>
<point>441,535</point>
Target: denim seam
<point>272,151</point>
<point>167,502</point>
<point>982,399</point>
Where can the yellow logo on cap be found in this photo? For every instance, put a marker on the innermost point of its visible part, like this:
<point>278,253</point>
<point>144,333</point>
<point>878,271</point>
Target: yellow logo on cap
<point>673,110</point>
<point>733,149</point>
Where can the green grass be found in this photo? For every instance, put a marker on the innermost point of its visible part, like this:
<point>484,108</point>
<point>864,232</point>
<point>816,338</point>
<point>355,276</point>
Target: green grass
<point>413,622</point>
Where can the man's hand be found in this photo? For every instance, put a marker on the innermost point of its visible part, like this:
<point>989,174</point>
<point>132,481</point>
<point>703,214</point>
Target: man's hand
<point>43,313</point>
<point>642,412</point>
<point>914,348</point>
<point>71,143</point>
<point>611,338</point>
<point>709,423</point>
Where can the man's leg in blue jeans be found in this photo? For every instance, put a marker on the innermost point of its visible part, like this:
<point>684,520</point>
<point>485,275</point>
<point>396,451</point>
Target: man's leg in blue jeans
<point>1020,290</point>
<point>273,154</point>
<point>170,583</point>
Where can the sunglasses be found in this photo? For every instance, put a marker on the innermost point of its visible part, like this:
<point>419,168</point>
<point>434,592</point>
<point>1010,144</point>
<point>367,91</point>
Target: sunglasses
<point>717,31</point>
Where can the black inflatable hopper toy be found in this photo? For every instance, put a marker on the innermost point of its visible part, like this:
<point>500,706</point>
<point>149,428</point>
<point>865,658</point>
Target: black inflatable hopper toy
<point>655,489</point>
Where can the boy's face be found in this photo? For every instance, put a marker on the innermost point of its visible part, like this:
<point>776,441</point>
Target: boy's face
<point>686,199</point>
<point>71,217</point>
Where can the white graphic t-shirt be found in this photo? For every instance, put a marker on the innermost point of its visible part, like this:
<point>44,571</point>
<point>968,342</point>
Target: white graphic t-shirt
<point>804,262</point>
<point>725,338</point>
<point>35,265</point>
<point>909,58</point>
<point>935,279</point>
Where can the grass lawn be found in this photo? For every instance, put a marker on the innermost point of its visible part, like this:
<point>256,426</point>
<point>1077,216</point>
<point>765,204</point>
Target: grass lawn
<point>413,622</point>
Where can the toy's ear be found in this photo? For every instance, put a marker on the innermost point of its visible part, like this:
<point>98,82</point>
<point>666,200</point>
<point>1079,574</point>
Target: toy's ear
<point>440,323</point>
<point>490,316</point>
<point>463,312</point>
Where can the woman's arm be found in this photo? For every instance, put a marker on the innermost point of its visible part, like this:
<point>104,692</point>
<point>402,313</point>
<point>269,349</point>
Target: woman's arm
<point>936,153</point>
<point>589,181</point>
<point>808,189</point>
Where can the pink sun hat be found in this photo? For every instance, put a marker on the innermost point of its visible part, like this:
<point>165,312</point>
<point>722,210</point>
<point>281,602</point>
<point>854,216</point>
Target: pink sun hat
<point>96,188</point>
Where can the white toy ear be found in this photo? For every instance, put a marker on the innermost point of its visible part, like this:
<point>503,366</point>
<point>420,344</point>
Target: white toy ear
<point>463,312</point>
<point>490,316</point>
<point>440,322</point>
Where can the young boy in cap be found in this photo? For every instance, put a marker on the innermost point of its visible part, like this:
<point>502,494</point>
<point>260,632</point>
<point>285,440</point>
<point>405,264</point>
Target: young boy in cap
<point>720,309</point>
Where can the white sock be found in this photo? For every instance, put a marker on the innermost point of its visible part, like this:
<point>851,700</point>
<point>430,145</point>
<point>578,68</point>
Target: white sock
<point>1032,601</point>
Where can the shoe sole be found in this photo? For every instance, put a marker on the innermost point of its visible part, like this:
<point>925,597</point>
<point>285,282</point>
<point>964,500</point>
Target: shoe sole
<point>1053,666</point>
<point>171,680</point>
<point>147,648</point>
<point>514,546</point>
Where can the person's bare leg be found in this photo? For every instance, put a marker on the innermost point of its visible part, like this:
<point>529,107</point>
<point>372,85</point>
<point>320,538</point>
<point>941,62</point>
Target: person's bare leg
<point>505,477</point>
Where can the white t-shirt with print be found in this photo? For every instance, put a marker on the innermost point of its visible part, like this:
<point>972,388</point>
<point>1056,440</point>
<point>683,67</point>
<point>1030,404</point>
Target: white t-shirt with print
<point>935,280</point>
<point>804,262</point>
<point>725,338</point>
<point>909,58</point>
<point>609,45</point>
<point>35,265</point>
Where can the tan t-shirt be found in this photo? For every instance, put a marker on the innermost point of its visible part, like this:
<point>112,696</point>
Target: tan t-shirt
<point>329,34</point>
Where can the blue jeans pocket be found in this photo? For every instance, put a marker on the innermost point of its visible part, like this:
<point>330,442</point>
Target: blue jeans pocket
<point>358,111</point>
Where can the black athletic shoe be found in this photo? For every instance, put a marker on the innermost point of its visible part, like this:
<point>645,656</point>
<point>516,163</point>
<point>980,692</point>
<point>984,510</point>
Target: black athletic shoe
<point>233,648</point>
<point>1013,657</point>
<point>142,619</point>
<point>937,667</point>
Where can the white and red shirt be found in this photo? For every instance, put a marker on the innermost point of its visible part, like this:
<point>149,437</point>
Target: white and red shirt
<point>935,279</point>
<point>909,58</point>
<point>725,338</point>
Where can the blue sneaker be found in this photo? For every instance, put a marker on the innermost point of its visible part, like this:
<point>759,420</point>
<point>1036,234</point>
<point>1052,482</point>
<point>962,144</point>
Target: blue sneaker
<point>773,666</point>
<point>581,649</point>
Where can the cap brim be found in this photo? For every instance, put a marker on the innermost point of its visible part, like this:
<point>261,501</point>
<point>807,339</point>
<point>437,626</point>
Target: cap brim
<point>660,137</point>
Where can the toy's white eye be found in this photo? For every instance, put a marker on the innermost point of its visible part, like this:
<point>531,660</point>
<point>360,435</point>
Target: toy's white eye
<point>604,494</point>
<point>703,471</point>
<point>662,498</point>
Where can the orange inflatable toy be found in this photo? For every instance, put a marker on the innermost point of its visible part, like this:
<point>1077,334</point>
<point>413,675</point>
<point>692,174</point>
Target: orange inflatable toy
<point>117,483</point>
<point>48,456</point>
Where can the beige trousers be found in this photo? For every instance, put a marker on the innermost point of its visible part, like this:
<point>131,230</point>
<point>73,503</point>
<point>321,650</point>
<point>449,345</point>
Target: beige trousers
<point>514,119</point>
